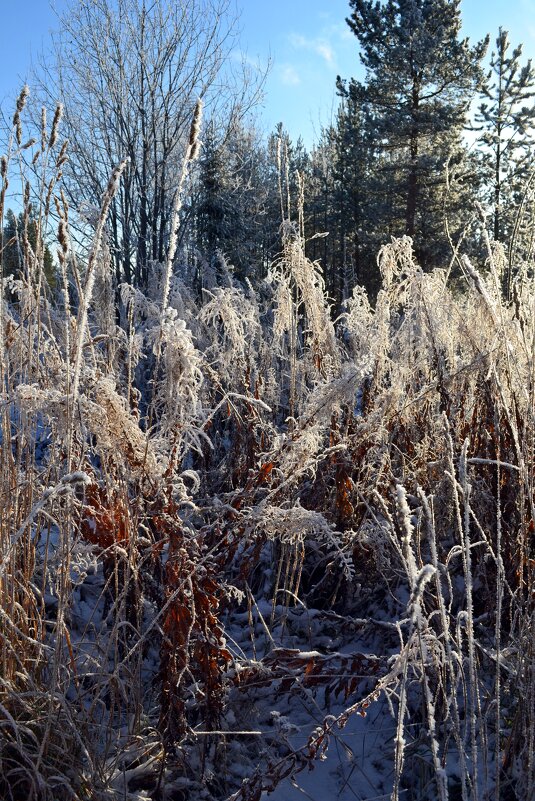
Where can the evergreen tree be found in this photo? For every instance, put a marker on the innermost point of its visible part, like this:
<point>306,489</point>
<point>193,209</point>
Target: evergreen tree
<point>13,257</point>
<point>420,79</point>
<point>506,122</point>
<point>232,198</point>
<point>322,227</point>
<point>341,203</point>
<point>363,198</point>
<point>214,203</point>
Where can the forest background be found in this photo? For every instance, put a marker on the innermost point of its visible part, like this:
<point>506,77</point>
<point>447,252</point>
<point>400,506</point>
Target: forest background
<point>380,168</point>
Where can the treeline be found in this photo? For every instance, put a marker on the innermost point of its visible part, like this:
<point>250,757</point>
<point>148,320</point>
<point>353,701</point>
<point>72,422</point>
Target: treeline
<point>431,143</point>
<point>434,142</point>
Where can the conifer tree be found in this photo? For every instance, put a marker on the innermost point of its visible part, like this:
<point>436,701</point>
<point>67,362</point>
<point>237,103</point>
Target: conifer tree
<point>344,204</point>
<point>322,217</point>
<point>420,79</point>
<point>370,177</point>
<point>231,198</point>
<point>13,255</point>
<point>506,117</point>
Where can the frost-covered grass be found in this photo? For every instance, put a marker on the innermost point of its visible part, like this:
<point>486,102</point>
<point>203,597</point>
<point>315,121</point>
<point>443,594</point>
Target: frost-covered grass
<point>240,539</point>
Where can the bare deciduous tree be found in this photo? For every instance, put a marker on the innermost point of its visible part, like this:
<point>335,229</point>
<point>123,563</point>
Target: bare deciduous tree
<point>129,75</point>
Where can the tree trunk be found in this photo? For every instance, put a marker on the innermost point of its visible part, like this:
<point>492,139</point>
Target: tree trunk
<point>412,189</point>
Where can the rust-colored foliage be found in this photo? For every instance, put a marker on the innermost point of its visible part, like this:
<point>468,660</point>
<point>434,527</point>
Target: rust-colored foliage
<point>344,487</point>
<point>105,517</point>
<point>193,652</point>
<point>340,674</point>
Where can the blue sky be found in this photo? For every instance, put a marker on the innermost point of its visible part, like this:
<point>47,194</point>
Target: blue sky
<point>308,41</point>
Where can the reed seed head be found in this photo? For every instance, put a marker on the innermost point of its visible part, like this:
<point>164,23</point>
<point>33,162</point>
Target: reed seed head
<point>21,102</point>
<point>195,125</point>
<point>55,125</point>
<point>62,157</point>
<point>43,128</point>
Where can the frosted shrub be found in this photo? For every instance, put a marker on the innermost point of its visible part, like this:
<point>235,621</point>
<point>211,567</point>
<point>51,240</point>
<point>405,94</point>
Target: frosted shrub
<point>233,326</point>
<point>357,323</point>
<point>182,299</point>
<point>177,391</point>
<point>299,289</point>
<point>116,430</point>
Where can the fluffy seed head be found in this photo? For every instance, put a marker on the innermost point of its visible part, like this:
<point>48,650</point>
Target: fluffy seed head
<point>195,150</point>
<point>63,237</point>
<point>195,125</point>
<point>55,125</point>
<point>43,128</point>
<point>62,157</point>
<point>21,100</point>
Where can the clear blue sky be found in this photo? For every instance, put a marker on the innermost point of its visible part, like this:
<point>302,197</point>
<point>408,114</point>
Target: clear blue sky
<point>308,41</point>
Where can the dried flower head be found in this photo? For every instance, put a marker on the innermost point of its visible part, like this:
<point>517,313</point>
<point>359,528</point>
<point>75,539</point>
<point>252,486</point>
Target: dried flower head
<point>62,157</point>
<point>55,125</point>
<point>113,183</point>
<point>21,100</point>
<point>43,128</point>
<point>63,237</point>
<point>195,150</point>
<point>195,125</point>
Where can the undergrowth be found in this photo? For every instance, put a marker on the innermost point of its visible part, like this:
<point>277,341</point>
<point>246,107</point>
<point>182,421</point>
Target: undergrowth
<point>351,499</point>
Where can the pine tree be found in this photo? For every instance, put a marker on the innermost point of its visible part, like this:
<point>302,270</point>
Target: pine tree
<point>420,79</point>
<point>342,203</point>
<point>13,256</point>
<point>368,175</point>
<point>232,197</point>
<point>506,122</point>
